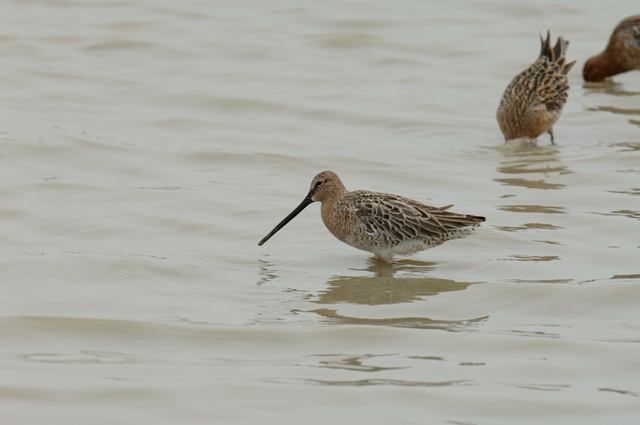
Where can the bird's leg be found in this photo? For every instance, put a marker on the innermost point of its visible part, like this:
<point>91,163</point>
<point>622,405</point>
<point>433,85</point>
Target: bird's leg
<point>551,134</point>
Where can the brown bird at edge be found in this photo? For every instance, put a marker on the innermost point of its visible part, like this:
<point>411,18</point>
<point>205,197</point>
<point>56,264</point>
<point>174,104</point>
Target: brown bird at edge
<point>622,54</point>
<point>532,102</point>
<point>381,223</point>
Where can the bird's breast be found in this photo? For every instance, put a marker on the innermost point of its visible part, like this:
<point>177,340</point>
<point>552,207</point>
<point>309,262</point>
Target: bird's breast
<point>338,219</point>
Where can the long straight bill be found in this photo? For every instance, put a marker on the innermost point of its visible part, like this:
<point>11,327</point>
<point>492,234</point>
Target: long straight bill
<point>305,202</point>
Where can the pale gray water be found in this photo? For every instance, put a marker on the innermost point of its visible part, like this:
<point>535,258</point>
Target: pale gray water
<point>147,146</point>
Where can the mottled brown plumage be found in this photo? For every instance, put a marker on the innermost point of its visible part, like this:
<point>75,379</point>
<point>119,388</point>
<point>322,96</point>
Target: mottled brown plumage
<point>621,55</point>
<point>533,101</point>
<point>381,223</point>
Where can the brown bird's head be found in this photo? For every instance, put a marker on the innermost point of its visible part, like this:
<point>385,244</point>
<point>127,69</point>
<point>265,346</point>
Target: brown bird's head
<point>592,71</point>
<point>324,186</point>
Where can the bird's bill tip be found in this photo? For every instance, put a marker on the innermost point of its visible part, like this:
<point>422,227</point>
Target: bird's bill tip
<point>305,202</point>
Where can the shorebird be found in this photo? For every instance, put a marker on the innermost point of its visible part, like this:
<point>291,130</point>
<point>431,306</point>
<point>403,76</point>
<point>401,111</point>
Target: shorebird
<point>532,102</point>
<point>381,223</point>
<point>621,55</point>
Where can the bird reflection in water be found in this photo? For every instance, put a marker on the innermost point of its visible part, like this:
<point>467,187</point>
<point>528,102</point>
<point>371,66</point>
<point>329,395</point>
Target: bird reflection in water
<point>384,288</point>
<point>530,166</point>
<point>266,271</point>
<point>609,87</point>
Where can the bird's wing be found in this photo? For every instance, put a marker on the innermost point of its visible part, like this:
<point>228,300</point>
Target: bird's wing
<point>552,88</point>
<point>403,219</point>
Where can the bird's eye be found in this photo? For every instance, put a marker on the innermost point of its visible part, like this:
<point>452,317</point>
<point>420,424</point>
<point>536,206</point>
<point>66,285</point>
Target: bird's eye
<point>319,183</point>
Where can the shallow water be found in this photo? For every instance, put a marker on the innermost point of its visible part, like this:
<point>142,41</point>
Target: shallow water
<point>147,146</point>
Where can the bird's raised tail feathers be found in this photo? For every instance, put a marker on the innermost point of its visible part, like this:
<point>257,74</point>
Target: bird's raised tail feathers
<point>556,53</point>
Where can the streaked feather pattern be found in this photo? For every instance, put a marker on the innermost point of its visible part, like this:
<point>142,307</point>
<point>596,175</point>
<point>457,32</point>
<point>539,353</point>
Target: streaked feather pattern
<point>381,223</point>
<point>533,101</point>
<point>389,225</point>
<point>395,218</point>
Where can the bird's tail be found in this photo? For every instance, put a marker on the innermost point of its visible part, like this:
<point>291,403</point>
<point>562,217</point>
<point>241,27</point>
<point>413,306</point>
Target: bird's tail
<point>461,219</point>
<point>476,219</point>
<point>556,53</point>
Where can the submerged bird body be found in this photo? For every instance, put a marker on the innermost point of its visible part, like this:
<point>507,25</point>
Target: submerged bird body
<point>532,102</point>
<point>381,223</point>
<point>622,53</point>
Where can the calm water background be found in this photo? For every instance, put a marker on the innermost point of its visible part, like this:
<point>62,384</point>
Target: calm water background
<point>147,146</point>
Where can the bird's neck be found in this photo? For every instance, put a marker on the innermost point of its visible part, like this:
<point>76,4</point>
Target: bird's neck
<point>613,63</point>
<point>334,217</point>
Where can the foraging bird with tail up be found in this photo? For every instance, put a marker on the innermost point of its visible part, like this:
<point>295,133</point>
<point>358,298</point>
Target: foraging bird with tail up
<point>622,53</point>
<point>533,101</point>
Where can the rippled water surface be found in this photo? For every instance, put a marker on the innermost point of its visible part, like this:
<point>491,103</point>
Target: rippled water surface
<point>147,146</point>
